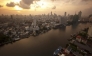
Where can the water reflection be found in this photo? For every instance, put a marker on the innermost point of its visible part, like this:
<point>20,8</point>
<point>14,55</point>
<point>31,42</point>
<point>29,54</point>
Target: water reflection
<point>42,45</point>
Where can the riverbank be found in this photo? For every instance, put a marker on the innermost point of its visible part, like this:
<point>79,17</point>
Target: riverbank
<point>79,45</point>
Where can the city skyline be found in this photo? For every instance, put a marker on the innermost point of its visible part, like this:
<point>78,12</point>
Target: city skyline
<point>26,7</point>
<point>45,27</point>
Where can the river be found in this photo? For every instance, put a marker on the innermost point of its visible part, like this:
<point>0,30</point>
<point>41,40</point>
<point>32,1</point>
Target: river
<point>42,45</point>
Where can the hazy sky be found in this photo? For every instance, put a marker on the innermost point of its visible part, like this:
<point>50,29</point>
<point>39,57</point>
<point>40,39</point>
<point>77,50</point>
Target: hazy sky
<point>45,6</point>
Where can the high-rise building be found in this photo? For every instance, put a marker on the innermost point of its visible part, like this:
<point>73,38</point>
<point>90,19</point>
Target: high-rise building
<point>79,14</point>
<point>68,15</point>
<point>65,13</point>
<point>51,12</point>
<point>11,16</point>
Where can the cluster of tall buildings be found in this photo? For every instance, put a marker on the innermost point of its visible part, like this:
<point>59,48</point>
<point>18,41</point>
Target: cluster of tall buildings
<point>74,18</point>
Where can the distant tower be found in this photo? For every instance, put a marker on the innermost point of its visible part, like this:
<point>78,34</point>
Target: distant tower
<point>79,14</point>
<point>2,15</point>
<point>11,16</point>
<point>34,21</point>
<point>65,14</point>
<point>51,12</point>
<point>75,13</point>
<point>68,15</point>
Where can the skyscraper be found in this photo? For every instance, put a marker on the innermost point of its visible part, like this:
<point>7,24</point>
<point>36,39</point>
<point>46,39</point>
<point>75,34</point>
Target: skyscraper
<point>51,12</point>
<point>79,14</point>
<point>65,13</point>
<point>11,16</point>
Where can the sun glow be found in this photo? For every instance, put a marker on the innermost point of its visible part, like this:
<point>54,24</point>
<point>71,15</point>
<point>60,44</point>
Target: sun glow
<point>39,5</point>
<point>42,4</point>
<point>17,8</point>
<point>16,1</point>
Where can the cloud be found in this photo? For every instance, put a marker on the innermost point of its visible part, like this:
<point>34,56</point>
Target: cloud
<point>11,4</point>
<point>86,0</point>
<point>72,1</point>
<point>25,4</point>
<point>53,0</point>
<point>54,7</point>
<point>87,11</point>
<point>77,2</point>
<point>1,6</point>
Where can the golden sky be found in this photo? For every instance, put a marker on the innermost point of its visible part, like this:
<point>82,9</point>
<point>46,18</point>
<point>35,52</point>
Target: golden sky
<point>45,6</point>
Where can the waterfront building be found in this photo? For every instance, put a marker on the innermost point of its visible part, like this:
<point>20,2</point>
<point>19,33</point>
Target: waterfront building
<point>90,31</point>
<point>78,38</point>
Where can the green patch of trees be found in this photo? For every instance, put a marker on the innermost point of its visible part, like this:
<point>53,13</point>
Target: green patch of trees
<point>4,38</point>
